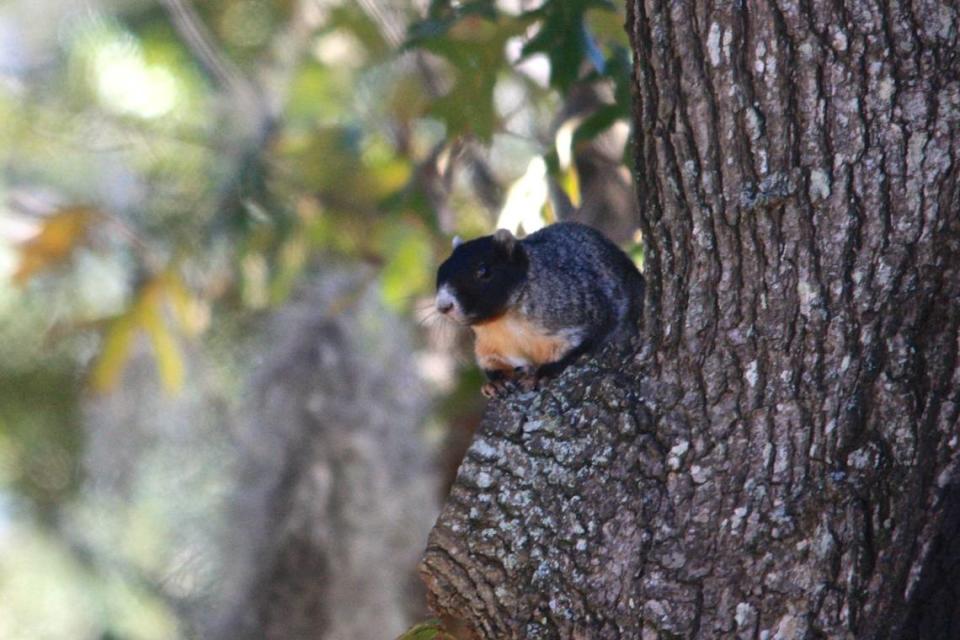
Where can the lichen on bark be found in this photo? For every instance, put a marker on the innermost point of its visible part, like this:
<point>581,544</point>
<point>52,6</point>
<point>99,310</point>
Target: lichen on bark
<point>554,491</point>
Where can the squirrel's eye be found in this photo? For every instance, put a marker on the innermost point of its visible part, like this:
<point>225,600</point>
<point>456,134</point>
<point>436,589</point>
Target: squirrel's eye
<point>483,272</point>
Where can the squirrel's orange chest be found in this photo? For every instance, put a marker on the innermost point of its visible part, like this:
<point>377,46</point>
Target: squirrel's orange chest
<point>512,341</point>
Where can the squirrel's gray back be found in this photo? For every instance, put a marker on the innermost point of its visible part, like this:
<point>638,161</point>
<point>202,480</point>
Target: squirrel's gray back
<point>580,283</point>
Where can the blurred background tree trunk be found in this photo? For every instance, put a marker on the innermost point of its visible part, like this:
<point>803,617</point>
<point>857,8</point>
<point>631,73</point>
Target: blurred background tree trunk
<point>780,460</point>
<point>336,490</point>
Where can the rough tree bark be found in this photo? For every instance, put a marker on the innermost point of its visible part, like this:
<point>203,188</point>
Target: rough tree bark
<point>780,460</point>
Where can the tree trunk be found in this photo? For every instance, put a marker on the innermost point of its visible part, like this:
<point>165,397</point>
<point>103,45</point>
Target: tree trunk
<point>781,458</point>
<point>336,489</point>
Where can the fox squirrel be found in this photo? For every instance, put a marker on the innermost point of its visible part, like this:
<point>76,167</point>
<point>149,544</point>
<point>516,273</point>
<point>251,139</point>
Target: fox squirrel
<point>537,303</point>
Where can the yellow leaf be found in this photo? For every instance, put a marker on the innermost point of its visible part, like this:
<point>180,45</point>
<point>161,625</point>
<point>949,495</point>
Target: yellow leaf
<point>113,356</point>
<point>165,351</point>
<point>192,314</point>
<point>58,236</point>
<point>146,313</point>
<point>387,177</point>
<point>570,181</point>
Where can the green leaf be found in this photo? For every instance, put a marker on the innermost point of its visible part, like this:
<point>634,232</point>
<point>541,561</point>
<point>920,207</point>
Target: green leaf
<point>564,38</point>
<point>598,122</point>
<point>408,269</point>
<point>315,92</point>
<point>443,15</point>
<point>473,42</point>
<point>635,251</point>
<point>429,630</point>
<point>619,68</point>
<point>352,18</point>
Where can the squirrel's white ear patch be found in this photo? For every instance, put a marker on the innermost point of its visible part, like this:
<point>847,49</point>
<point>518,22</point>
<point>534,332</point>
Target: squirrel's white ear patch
<point>457,241</point>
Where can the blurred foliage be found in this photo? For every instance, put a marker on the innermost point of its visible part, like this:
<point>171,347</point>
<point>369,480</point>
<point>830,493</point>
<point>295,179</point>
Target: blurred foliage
<point>55,239</point>
<point>146,314</point>
<point>335,175</point>
<point>172,171</point>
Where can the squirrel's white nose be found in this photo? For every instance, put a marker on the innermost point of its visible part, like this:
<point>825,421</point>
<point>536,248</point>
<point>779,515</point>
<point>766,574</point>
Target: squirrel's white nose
<point>445,300</point>
<point>448,305</point>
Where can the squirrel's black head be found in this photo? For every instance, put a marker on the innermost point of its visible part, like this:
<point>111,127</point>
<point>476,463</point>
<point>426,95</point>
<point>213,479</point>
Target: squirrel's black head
<point>478,280</point>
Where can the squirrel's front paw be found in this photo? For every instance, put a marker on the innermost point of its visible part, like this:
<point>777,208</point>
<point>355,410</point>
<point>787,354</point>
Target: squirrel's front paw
<point>522,379</point>
<point>497,388</point>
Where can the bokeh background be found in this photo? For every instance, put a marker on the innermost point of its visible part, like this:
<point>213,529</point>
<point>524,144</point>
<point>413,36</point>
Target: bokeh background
<point>226,408</point>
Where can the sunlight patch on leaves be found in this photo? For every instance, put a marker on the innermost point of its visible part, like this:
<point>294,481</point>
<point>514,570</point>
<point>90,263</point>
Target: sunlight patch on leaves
<point>525,200</point>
